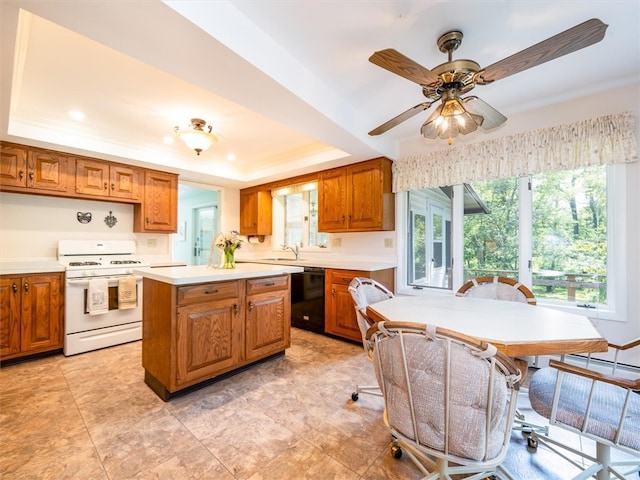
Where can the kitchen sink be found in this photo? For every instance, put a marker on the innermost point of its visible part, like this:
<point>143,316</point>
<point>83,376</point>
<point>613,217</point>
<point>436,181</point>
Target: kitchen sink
<point>280,259</point>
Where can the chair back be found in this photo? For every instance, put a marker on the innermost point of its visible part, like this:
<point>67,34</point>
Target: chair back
<point>497,288</point>
<point>366,291</point>
<point>447,395</point>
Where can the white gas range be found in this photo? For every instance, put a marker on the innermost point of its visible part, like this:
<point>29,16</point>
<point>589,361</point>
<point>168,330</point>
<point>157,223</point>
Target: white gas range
<point>100,270</point>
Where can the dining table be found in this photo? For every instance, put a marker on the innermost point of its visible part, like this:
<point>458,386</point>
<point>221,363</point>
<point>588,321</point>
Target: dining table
<point>516,329</point>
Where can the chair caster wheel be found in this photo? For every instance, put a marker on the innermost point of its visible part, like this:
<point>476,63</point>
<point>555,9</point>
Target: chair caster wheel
<point>354,396</point>
<point>532,443</point>
<point>396,451</point>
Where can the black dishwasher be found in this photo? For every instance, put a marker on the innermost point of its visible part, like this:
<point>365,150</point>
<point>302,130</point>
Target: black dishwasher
<point>307,299</point>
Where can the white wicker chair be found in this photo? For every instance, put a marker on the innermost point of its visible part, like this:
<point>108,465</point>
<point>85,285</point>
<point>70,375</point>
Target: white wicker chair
<point>366,291</point>
<point>498,288</point>
<point>599,405</point>
<point>449,398</point>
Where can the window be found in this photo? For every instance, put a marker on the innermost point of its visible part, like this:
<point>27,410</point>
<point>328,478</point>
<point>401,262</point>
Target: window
<point>551,231</point>
<point>295,219</point>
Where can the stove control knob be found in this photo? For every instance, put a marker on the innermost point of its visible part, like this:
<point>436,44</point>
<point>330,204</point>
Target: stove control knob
<point>95,273</point>
<point>84,273</point>
<point>129,271</point>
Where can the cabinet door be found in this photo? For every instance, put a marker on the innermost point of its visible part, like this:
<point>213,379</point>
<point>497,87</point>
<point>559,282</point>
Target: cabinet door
<point>268,323</point>
<point>48,171</point>
<point>341,315</point>
<point>92,178</point>
<point>365,197</point>
<point>10,288</point>
<point>209,339</point>
<point>124,182</point>
<point>332,201</point>
<point>42,303</point>
<point>160,204</point>
<point>255,213</point>
<point>13,166</point>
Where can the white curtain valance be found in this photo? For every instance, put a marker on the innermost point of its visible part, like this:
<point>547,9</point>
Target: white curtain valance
<point>599,141</point>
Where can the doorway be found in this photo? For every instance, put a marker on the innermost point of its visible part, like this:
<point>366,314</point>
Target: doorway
<point>198,223</point>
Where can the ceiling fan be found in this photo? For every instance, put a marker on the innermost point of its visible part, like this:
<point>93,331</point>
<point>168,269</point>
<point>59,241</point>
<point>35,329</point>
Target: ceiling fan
<point>454,78</point>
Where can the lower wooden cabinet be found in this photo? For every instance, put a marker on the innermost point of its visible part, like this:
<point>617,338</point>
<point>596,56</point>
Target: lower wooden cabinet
<point>193,333</point>
<point>340,315</point>
<point>32,314</point>
<point>268,316</point>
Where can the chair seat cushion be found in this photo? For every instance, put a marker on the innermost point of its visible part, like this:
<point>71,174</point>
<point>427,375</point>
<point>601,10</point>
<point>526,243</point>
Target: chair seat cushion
<point>605,411</point>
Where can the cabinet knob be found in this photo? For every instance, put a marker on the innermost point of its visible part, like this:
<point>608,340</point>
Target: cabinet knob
<point>343,218</point>
<point>250,306</point>
<point>236,309</point>
<point>21,174</point>
<point>31,176</point>
<point>15,288</point>
<point>113,186</point>
<point>105,185</point>
<point>333,292</point>
<point>26,288</point>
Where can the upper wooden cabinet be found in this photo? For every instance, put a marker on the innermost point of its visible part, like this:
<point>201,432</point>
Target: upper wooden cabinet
<point>159,209</point>
<point>356,198</point>
<point>255,212</point>
<point>33,171</point>
<point>104,179</point>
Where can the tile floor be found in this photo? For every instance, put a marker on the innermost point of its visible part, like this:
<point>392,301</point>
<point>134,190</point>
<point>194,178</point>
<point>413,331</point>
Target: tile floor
<point>91,416</point>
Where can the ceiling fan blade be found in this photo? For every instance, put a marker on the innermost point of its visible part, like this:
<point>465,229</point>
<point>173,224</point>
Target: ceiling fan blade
<point>492,117</point>
<point>397,63</point>
<point>421,107</point>
<point>569,41</point>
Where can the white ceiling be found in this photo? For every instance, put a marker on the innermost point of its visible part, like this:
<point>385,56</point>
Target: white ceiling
<point>287,85</point>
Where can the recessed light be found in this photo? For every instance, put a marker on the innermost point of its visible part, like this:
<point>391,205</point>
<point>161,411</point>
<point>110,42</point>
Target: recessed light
<point>76,115</point>
<point>231,157</point>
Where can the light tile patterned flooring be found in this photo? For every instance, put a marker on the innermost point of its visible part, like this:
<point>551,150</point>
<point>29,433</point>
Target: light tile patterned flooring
<point>91,416</point>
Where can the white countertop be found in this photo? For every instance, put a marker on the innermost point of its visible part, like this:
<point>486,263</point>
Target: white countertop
<point>202,273</point>
<point>343,264</point>
<point>20,266</point>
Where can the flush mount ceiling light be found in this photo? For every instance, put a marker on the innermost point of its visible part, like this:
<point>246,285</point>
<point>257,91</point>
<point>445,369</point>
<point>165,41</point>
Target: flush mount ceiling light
<point>195,136</point>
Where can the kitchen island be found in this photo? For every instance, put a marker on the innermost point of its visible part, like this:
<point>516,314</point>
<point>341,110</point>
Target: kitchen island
<point>201,323</point>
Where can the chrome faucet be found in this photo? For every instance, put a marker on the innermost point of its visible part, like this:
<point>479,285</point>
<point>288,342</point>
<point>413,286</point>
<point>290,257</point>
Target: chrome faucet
<point>295,249</point>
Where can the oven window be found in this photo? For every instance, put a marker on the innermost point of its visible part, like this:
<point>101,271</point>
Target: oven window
<point>113,298</point>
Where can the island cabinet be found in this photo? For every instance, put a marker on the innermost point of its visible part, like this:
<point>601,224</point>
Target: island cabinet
<point>268,316</point>
<point>194,333</point>
<point>356,198</point>
<point>33,171</point>
<point>31,320</point>
<point>340,315</point>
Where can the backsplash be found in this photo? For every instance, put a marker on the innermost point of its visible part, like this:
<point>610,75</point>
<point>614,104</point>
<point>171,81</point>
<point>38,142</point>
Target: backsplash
<point>31,226</point>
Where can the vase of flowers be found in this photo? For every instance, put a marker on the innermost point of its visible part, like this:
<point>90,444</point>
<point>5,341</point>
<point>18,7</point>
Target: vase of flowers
<point>228,243</point>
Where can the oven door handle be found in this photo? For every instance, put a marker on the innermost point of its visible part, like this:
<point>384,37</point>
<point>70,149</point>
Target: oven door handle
<point>84,282</point>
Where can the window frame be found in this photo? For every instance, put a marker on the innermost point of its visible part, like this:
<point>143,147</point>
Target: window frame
<point>616,246</point>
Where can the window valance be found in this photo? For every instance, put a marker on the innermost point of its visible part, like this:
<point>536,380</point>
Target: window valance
<point>599,141</point>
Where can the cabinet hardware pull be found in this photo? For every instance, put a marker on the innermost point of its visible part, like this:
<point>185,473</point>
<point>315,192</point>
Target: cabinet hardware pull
<point>270,284</point>
<point>21,174</point>
<point>113,186</point>
<point>345,279</point>
<point>15,288</point>
<point>31,175</point>
<point>236,309</point>
<point>105,185</point>
<point>250,306</point>
<point>210,292</point>
<point>147,219</point>
<point>343,218</point>
<point>349,217</point>
<point>26,288</point>
<point>333,292</point>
